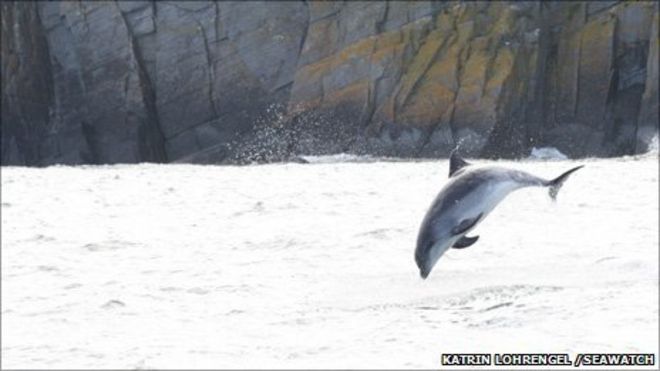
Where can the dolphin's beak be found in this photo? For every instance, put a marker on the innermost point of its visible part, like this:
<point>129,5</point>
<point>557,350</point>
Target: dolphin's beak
<point>424,272</point>
<point>422,261</point>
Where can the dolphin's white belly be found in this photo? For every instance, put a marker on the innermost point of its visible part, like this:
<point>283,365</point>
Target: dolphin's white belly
<point>497,192</point>
<point>487,197</point>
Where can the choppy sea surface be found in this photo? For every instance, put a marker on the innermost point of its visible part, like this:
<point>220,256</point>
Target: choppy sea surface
<point>311,266</point>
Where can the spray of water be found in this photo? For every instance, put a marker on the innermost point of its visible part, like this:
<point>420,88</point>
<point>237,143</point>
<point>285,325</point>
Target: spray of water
<point>653,146</point>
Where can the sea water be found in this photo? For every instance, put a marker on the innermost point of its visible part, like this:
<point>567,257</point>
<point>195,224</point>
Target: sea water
<point>311,266</point>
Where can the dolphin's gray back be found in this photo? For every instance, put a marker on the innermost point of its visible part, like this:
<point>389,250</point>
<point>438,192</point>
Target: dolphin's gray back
<point>474,188</point>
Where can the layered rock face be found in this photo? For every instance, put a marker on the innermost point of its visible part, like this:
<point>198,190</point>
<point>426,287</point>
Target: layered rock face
<point>228,82</point>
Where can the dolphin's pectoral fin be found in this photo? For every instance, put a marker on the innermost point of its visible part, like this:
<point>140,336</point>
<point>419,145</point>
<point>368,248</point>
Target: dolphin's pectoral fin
<point>464,242</point>
<point>466,224</point>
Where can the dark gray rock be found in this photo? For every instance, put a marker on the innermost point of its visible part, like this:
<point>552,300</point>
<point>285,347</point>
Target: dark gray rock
<point>131,6</point>
<point>648,121</point>
<point>27,93</point>
<point>237,82</point>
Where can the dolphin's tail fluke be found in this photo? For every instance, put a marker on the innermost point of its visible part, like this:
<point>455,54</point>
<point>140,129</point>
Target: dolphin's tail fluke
<point>555,184</point>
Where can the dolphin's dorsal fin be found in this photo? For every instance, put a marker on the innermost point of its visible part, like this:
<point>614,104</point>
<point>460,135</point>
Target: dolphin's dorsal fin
<point>456,163</point>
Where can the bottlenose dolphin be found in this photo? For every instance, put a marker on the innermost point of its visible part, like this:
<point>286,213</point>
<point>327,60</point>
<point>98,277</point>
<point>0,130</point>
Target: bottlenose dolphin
<point>469,195</point>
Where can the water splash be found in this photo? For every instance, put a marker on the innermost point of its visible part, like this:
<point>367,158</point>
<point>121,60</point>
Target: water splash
<point>653,146</point>
<point>547,153</point>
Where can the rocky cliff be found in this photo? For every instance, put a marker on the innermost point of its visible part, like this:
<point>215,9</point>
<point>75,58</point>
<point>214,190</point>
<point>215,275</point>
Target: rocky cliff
<point>226,82</point>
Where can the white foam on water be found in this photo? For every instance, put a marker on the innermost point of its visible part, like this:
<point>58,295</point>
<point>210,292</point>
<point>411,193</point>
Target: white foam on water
<point>547,153</point>
<point>341,157</point>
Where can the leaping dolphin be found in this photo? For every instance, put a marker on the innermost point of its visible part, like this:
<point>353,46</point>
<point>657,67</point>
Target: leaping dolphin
<point>464,201</point>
